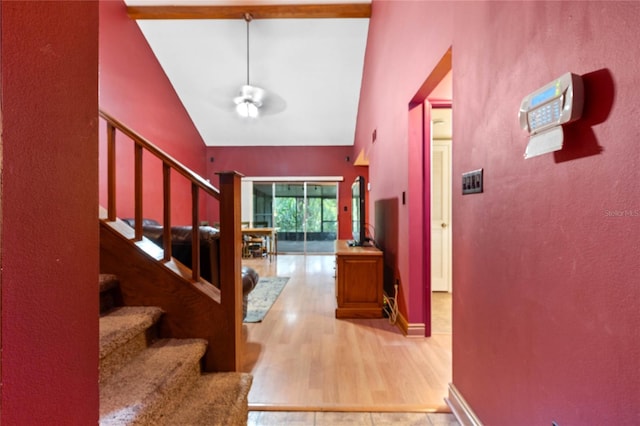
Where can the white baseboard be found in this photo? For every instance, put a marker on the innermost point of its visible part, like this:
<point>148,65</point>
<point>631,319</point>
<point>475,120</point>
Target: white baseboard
<point>460,408</point>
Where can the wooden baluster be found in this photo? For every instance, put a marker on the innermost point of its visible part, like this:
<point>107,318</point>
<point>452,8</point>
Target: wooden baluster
<point>195,232</point>
<point>138,190</point>
<point>166,211</point>
<point>111,172</point>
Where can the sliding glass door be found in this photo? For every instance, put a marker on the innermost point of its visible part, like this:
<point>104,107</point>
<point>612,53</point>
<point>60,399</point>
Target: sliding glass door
<point>322,217</point>
<point>305,213</point>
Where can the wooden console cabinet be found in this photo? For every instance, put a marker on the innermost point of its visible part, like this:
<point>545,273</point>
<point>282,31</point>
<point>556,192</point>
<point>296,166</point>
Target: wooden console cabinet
<point>358,281</point>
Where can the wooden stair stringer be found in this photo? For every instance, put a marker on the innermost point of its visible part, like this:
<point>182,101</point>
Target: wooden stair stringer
<point>192,310</point>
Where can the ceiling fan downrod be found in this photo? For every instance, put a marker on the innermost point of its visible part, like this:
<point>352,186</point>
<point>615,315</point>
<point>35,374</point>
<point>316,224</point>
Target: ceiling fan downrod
<point>248,18</point>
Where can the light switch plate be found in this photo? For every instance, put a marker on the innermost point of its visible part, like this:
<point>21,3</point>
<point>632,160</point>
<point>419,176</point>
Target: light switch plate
<point>472,182</point>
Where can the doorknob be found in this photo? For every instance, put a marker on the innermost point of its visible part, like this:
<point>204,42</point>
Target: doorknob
<point>444,225</point>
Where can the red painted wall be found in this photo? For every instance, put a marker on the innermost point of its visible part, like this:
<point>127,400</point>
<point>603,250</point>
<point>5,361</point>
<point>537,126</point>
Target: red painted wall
<point>49,233</point>
<point>293,161</point>
<point>135,90</point>
<point>546,266</point>
<point>406,41</point>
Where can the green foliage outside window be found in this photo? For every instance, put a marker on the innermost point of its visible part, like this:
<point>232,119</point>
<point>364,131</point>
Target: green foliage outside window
<point>330,211</point>
<point>286,208</point>
<point>321,214</point>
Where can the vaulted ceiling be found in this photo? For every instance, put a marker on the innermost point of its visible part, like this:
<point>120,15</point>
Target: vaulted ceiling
<point>307,55</point>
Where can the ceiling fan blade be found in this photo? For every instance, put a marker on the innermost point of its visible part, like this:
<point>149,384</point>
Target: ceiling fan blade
<point>272,104</point>
<point>222,98</point>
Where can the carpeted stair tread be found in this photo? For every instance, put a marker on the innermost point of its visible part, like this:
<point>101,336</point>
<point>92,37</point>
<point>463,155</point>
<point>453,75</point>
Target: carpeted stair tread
<point>122,324</point>
<point>215,399</point>
<point>152,383</point>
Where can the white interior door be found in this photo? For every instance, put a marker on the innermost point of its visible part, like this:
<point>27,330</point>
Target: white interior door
<point>441,201</point>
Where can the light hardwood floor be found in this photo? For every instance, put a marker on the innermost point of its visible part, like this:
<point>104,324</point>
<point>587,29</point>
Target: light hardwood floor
<point>303,359</point>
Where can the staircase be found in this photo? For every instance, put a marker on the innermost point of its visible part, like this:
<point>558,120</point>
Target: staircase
<point>146,380</point>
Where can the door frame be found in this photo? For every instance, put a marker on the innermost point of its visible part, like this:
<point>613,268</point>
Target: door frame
<point>420,264</point>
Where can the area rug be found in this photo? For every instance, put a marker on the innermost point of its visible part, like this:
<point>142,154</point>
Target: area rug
<point>263,296</point>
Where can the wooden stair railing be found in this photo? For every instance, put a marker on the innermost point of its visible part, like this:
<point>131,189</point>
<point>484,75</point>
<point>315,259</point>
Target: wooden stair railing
<point>228,197</point>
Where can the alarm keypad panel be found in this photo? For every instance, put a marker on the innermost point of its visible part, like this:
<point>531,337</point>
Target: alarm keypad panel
<point>558,102</point>
<point>543,112</point>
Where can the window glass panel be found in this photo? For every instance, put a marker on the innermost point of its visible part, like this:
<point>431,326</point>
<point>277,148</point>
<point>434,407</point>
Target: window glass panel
<point>262,205</point>
<point>314,215</point>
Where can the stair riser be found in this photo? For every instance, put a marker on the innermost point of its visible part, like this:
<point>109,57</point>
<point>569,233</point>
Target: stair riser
<point>109,300</point>
<point>125,353</point>
<point>172,398</point>
<point>110,294</point>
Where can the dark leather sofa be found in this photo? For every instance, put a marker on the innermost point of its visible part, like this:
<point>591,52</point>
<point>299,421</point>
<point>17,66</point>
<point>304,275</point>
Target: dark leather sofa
<point>209,253</point>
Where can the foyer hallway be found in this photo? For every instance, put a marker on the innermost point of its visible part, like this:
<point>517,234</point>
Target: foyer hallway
<point>303,359</point>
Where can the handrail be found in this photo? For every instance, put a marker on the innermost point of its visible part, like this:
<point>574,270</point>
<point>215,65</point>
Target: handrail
<point>166,158</point>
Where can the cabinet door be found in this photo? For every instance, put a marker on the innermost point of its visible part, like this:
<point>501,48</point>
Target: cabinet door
<point>360,282</point>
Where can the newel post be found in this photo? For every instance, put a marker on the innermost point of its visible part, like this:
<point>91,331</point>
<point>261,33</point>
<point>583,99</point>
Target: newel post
<point>231,263</point>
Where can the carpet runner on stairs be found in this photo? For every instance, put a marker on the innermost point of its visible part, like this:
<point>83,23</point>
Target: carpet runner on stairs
<point>150,381</point>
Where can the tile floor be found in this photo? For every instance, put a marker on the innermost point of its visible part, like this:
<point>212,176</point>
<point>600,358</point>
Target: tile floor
<point>320,418</point>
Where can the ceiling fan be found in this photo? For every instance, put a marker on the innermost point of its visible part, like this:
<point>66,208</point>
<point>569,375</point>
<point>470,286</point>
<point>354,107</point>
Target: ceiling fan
<point>252,98</point>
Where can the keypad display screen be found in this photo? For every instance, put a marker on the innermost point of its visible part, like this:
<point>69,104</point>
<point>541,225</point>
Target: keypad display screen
<point>543,97</point>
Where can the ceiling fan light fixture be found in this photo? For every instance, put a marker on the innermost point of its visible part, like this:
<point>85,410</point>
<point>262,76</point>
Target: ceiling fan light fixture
<point>249,101</point>
<point>247,109</point>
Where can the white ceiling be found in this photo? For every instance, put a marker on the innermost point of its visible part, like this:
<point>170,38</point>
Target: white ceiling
<point>310,68</point>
